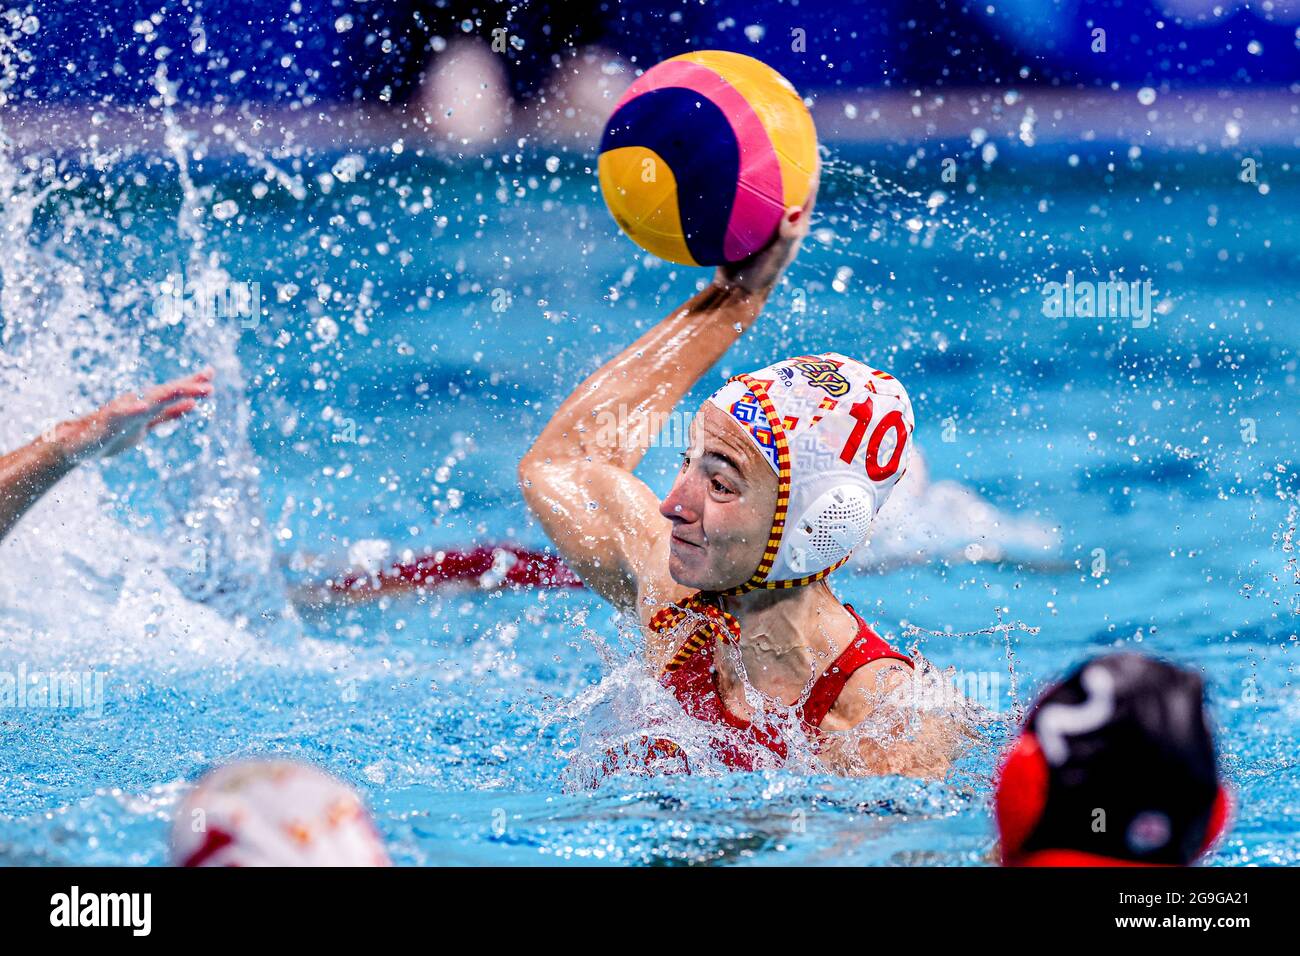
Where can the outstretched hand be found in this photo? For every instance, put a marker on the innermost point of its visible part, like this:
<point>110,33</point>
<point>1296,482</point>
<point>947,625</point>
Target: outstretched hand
<point>121,423</point>
<point>760,272</point>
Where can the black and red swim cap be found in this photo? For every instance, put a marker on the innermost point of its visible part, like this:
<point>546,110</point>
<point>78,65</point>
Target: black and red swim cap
<point>1114,766</point>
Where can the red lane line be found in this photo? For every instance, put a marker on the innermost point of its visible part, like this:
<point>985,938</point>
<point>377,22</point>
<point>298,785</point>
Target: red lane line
<point>529,569</point>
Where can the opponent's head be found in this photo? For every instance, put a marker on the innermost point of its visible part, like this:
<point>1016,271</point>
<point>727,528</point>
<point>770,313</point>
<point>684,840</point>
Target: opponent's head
<point>274,813</point>
<point>787,468</point>
<point>1114,766</point>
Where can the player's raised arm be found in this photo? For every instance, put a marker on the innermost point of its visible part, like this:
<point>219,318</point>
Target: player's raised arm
<point>578,476</point>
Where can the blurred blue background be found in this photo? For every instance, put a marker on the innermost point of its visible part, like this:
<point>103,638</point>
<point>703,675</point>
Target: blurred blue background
<point>348,50</point>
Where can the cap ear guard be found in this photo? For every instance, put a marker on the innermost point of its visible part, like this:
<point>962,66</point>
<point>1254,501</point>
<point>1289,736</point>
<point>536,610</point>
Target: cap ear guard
<point>829,528</point>
<point>1218,822</point>
<point>1021,795</point>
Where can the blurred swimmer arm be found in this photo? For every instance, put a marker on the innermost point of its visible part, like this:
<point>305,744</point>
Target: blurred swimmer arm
<point>887,728</point>
<point>125,420</point>
<point>578,476</point>
<point>25,475</point>
<point>31,471</point>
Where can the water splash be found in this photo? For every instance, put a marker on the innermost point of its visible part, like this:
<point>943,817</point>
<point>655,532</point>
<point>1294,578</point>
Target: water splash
<point>613,729</point>
<point>119,579</point>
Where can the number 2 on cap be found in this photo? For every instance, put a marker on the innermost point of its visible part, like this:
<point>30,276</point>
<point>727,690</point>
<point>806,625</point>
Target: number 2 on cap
<point>861,413</point>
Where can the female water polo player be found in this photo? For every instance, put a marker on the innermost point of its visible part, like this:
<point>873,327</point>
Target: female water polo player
<point>29,472</point>
<point>786,468</point>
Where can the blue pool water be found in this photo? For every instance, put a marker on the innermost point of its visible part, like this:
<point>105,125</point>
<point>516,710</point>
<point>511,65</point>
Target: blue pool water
<point>467,717</point>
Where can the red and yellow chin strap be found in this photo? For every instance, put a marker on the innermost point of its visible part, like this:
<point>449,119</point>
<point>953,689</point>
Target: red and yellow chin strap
<point>717,624</point>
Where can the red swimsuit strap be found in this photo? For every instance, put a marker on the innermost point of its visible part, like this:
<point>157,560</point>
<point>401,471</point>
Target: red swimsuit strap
<point>866,647</point>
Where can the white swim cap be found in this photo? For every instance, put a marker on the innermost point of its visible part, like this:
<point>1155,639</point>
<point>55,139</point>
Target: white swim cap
<point>274,813</point>
<point>838,435</point>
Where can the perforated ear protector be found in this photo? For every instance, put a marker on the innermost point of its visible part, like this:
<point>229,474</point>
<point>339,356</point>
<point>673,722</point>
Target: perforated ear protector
<point>830,527</point>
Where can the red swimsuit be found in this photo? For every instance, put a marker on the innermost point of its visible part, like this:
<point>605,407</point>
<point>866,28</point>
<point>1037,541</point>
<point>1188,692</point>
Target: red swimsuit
<point>694,684</point>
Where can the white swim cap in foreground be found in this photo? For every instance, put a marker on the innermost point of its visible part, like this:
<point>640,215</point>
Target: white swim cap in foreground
<point>274,813</point>
<point>838,434</point>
